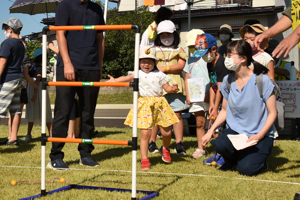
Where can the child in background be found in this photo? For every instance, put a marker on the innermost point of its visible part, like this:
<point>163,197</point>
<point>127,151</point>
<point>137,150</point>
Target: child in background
<point>171,60</point>
<point>153,109</point>
<point>33,108</point>
<point>196,68</point>
<point>248,33</point>
<point>217,71</point>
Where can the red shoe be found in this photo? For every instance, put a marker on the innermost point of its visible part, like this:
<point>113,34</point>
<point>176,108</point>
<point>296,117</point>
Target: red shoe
<point>165,154</point>
<point>145,164</point>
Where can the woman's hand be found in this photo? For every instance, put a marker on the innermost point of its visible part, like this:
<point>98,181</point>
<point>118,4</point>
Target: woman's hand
<point>213,114</point>
<point>256,137</point>
<point>206,138</point>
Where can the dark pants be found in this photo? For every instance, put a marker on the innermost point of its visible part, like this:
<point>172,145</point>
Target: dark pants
<point>251,160</point>
<point>63,106</point>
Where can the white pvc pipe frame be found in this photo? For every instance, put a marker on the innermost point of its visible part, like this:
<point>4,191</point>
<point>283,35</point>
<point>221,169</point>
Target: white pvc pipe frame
<point>135,108</point>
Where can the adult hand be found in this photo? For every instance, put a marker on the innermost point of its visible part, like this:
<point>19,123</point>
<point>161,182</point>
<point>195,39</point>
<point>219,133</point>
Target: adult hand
<point>111,79</point>
<point>286,45</point>
<point>261,41</point>
<point>256,137</point>
<point>206,138</point>
<point>69,72</point>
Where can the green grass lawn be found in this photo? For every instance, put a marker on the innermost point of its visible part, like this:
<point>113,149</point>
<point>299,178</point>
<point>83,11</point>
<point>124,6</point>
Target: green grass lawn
<point>118,98</point>
<point>184,179</point>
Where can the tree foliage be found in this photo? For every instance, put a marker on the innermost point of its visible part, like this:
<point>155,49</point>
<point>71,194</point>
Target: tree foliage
<point>119,44</point>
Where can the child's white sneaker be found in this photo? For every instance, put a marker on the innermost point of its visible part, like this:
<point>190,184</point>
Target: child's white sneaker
<point>198,153</point>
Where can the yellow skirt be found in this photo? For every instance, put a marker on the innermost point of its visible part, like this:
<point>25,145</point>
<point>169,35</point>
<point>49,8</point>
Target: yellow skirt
<point>152,111</point>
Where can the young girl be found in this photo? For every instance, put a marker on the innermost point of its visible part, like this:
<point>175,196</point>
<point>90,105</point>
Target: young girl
<point>197,68</point>
<point>171,60</point>
<point>153,109</point>
<point>33,108</point>
<point>245,111</point>
<point>248,33</point>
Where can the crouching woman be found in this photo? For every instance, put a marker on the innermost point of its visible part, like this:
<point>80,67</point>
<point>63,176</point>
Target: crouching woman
<point>246,110</point>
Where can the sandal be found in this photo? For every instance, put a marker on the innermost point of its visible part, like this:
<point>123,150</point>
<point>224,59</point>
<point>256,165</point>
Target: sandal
<point>14,142</point>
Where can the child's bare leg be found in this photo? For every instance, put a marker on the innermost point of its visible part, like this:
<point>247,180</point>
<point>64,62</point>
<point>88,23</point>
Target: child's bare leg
<point>144,143</point>
<point>200,123</point>
<point>29,127</point>
<point>9,120</point>
<point>166,136</point>
<point>77,127</point>
<point>15,120</point>
<point>37,81</point>
<point>178,128</point>
<point>49,126</point>
<point>154,132</point>
<point>71,130</point>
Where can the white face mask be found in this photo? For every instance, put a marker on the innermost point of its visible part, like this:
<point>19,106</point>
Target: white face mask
<point>207,58</point>
<point>229,64</point>
<point>167,41</point>
<point>6,35</point>
<point>224,37</point>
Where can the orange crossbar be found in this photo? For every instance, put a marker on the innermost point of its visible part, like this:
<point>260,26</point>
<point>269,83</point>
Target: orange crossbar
<point>95,84</point>
<point>91,141</point>
<point>90,27</point>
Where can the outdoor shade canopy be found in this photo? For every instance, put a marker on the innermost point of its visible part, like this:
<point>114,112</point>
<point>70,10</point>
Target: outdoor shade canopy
<point>33,7</point>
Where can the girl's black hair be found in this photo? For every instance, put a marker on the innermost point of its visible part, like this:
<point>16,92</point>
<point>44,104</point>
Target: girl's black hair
<point>162,14</point>
<point>243,48</point>
<point>5,27</point>
<point>175,43</point>
<point>38,60</point>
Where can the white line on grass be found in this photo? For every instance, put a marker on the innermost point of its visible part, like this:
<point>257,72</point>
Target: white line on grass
<point>164,173</point>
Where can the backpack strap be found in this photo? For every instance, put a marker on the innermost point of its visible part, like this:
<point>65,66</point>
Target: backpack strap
<point>229,81</point>
<point>259,84</point>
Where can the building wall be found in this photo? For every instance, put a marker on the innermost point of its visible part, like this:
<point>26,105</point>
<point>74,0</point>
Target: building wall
<point>260,3</point>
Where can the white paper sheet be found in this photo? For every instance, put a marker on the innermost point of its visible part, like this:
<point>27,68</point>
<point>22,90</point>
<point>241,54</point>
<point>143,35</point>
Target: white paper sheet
<point>196,89</point>
<point>239,141</point>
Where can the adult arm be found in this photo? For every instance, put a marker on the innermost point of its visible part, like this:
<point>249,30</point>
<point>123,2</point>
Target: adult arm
<point>100,50</point>
<point>2,64</point>
<point>69,71</point>
<point>280,26</point>
<point>272,114</point>
<point>221,118</point>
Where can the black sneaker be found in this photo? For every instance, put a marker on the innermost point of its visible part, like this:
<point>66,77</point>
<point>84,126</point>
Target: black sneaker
<point>88,161</point>
<point>57,164</point>
<point>179,149</point>
<point>153,148</point>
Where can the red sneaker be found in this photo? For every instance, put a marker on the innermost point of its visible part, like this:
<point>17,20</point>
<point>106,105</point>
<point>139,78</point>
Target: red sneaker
<point>165,154</point>
<point>145,164</point>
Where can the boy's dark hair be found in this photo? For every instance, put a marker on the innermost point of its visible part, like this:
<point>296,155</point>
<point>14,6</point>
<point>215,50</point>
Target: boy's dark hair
<point>175,43</point>
<point>243,48</point>
<point>251,21</point>
<point>5,27</point>
<point>162,14</point>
